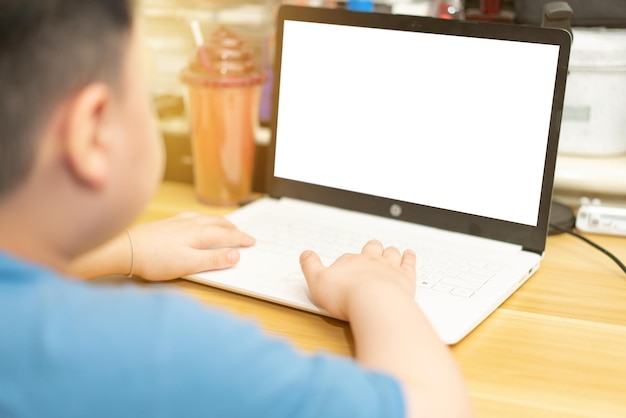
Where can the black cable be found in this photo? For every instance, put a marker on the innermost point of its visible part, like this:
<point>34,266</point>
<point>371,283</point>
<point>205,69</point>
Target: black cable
<point>593,244</point>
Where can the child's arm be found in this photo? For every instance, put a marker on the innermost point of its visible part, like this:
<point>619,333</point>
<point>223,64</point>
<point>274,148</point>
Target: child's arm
<point>375,291</point>
<point>166,249</point>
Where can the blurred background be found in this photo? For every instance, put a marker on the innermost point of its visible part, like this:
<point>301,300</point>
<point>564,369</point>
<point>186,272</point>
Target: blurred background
<point>592,150</point>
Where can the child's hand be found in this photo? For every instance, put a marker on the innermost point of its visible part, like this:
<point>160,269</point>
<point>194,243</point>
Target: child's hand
<point>186,244</point>
<point>375,292</point>
<point>377,268</point>
<point>166,249</point>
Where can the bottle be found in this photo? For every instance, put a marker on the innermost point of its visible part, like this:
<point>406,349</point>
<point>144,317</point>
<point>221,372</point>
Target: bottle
<point>224,86</point>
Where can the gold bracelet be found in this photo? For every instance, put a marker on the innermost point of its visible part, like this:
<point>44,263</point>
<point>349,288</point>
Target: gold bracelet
<point>132,254</point>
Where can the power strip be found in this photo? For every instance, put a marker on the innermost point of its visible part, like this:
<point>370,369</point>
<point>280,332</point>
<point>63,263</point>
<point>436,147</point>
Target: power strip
<point>595,217</point>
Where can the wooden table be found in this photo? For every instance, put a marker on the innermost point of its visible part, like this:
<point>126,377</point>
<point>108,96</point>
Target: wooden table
<point>556,348</point>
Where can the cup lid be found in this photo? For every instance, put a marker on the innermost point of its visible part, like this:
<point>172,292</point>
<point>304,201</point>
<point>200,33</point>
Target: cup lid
<point>225,59</point>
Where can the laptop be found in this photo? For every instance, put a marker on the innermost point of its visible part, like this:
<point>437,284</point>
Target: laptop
<point>435,135</point>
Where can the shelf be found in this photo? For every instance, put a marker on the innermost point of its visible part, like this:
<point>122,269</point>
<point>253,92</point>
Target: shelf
<point>591,177</point>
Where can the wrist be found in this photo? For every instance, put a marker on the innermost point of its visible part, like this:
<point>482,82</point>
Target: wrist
<point>132,254</point>
<point>378,297</point>
<point>113,257</point>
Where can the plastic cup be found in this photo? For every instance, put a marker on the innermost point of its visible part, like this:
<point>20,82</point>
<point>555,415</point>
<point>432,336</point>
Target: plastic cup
<point>224,86</point>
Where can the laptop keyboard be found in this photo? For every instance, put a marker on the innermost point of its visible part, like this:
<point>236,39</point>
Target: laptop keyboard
<point>455,274</point>
<point>442,271</point>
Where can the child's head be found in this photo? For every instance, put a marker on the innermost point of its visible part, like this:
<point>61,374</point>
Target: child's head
<point>76,131</point>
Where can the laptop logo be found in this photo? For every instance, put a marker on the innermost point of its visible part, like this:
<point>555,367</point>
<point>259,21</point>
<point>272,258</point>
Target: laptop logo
<point>395,210</point>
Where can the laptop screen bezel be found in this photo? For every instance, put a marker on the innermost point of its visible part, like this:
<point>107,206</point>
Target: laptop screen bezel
<point>531,238</point>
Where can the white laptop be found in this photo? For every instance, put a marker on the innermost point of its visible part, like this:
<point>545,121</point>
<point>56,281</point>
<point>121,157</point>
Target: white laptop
<point>435,135</point>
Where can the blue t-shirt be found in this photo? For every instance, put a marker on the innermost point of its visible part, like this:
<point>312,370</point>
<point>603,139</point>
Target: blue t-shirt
<point>69,348</point>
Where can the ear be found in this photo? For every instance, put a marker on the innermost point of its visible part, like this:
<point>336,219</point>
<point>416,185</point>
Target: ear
<point>86,144</point>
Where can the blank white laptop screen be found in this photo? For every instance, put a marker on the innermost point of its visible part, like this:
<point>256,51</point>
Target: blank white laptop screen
<point>440,110</point>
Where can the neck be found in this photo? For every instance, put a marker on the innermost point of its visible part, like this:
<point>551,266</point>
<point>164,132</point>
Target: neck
<point>25,235</point>
<point>39,225</point>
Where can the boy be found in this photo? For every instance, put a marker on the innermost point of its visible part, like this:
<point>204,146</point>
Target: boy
<point>79,157</point>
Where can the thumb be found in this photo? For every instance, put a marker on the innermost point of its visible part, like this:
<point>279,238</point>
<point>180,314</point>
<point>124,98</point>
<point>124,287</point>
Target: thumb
<point>311,264</point>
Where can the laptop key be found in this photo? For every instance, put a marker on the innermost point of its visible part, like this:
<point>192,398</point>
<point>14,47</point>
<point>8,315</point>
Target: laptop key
<point>466,293</point>
<point>468,285</point>
<point>441,287</point>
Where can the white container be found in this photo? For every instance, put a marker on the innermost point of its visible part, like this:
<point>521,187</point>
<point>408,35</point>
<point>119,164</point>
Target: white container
<point>594,113</point>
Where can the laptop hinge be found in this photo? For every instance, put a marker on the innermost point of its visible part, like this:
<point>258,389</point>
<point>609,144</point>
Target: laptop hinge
<point>532,250</point>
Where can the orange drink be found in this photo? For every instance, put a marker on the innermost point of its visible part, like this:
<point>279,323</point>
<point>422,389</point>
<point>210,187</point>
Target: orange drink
<point>224,88</point>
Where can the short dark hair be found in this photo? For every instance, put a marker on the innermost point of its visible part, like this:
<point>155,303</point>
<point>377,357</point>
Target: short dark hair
<point>48,50</point>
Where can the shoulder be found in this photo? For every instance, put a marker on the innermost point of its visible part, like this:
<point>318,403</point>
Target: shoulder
<point>128,351</point>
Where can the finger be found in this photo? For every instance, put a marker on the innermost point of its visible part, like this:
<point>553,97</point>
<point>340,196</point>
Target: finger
<point>373,247</point>
<point>222,237</point>
<point>186,215</point>
<point>199,219</point>
<point>206,220</point>
<point>246,240</point>
<point>311,265</point>
<point>202,219</point>
<point>392,254</point>
<point>235,237</point>
<point>217,259</point>
<point>409,261</point>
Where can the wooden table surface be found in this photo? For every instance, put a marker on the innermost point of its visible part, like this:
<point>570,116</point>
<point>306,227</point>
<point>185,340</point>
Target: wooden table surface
<point>556,348</point>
